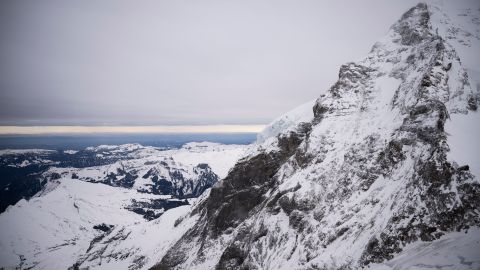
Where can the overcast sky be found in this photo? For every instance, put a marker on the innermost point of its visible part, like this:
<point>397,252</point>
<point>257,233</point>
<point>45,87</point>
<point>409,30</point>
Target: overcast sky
<point>176,62</point>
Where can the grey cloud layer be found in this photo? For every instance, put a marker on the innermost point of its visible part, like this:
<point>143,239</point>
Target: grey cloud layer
<point>176,62</point>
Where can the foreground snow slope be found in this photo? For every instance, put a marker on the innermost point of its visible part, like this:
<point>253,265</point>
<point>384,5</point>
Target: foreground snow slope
<point>456,250</point>
<point>369,180</point>
<point>61,224</point>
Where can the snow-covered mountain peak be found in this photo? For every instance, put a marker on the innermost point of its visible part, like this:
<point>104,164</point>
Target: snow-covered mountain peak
<point>367,176</point>
<point>405,53</point>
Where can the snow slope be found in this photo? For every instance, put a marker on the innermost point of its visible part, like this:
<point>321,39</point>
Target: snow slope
<point>456,250</point>
<point>460,26</point>
<point>60,224</point>
<point>24,151</point>
<point>220,157</point>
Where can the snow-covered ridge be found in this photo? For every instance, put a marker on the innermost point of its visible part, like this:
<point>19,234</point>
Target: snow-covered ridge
<point>121,147</point>
<point>24,151</point>
<point>187,171</point>
<point>303,113</point>
<point>71,152</point>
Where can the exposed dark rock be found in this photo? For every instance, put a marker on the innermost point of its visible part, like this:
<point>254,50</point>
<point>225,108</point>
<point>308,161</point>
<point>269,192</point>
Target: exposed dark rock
<point>319,110</point>
<point>448,67</point>
<point>162,186</point>
<point>421,109</point>
<point>287,204</point>
<point>411,59</point>
<point>247,182</point>
<point>147,208</point>
<point>297,220</point>
<point>349,76</point>
<point>342,231</point>
<point>103,227</point>
<point>444,214</point>
<point>391,156</point>
<point>55,176</point>
<point>426,81</point>
<point>232,258</point>
<point>318,214</point>
<point>149,173</point>
<point>473,104</point>
<point>19,183</point>
<point>203,166</point>
<point>235,254</point>
<point>413,26</point>
<point>275,201</point>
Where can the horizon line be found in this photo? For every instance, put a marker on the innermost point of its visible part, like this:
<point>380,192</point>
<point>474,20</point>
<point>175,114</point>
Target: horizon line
<point>85,129</point>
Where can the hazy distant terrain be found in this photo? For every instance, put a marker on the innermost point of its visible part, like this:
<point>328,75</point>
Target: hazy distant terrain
<point>77,142</point>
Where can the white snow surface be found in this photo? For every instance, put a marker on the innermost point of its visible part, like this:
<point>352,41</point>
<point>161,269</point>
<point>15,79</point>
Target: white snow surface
<point>456,250</point>
<point>460,26</point>
<point>54,230</point>
<point>464,140</point>
<point>220,157</point>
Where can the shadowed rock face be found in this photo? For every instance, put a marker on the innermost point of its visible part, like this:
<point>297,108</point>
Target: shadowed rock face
<point>235,198</point>
<point>149,209</point>
<point>350,188</point>
<point>246,184</point>
<point>241,191</point>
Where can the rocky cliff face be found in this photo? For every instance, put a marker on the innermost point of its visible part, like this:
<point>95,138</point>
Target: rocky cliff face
<point>369,176</point>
